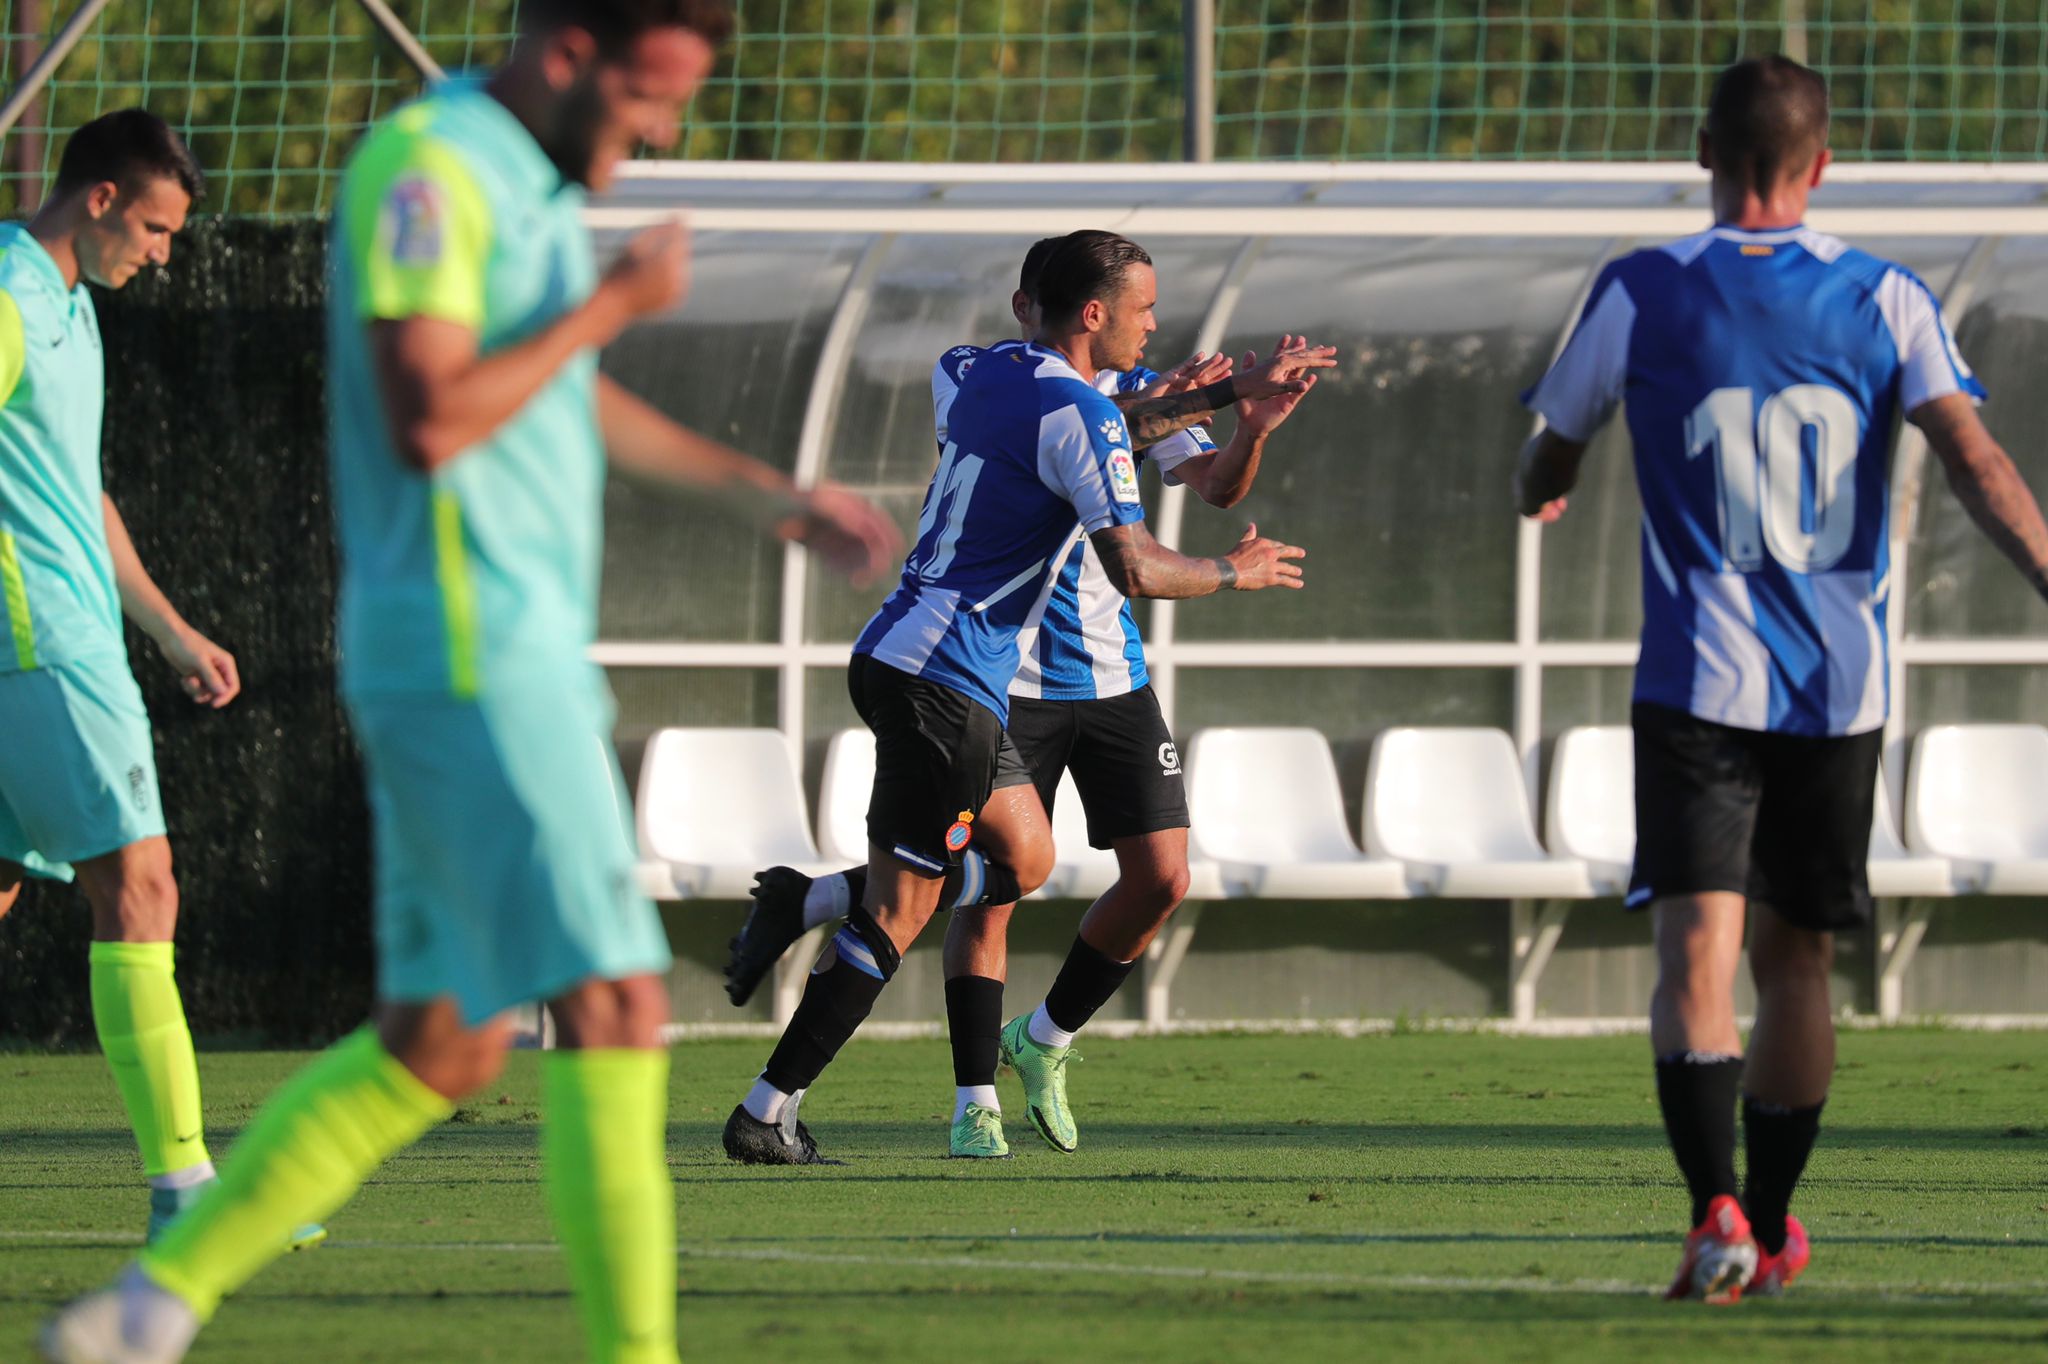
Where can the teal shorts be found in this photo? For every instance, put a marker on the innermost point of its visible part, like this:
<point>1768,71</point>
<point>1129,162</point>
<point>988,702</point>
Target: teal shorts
<point>77,766</point>
<point>504,845</point>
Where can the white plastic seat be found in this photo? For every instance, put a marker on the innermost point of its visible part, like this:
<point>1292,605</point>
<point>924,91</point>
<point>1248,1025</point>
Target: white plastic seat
<point>1895,871</point>
<point>1079,872</point>
<point>1450,805</point>
<point>1591,814</point>
<point>1978,796</point>
<point>1268,811</point>
<point>844,789</point>
<point>717,805</point>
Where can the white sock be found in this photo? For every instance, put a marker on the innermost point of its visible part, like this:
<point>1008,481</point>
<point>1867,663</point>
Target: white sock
<point>155,1322</point>
<point>828,898</point>
<point>764,1102</point>
<point>985,1095</point>
<point>189,1177</point>
<point>1045,1032</point>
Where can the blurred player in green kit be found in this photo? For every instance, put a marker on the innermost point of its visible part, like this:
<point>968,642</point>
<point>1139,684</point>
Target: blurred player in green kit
<point>470,434</point>
<point>78,788</point>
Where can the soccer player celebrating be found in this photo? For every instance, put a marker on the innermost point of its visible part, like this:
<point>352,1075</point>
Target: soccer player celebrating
<point>1763,363</point>
<point>1080,701</point>
<point>78,787</point>
<point>470,433</point>
<point>1031,447</point>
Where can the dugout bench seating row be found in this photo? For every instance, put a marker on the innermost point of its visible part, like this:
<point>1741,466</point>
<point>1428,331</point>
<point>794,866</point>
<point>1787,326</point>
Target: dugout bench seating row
<point>1445,813</point>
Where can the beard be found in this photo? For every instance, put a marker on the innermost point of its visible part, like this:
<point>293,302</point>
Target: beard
<point>572,146</point>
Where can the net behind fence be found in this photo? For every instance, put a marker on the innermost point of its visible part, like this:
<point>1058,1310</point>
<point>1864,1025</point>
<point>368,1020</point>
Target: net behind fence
<point>275,91</point>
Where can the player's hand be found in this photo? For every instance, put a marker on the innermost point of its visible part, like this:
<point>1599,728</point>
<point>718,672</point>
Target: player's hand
<point>1264,414</point>
<point>1288,371</point>
<point>1195,371</point>
<point>849,532</point>
<point>1264,563</point>
<point>1543,513</point>
<point>206,672</point>
<point>652,274</point>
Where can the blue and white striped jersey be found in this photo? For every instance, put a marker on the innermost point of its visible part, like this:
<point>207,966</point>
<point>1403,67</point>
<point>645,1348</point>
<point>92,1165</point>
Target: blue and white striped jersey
<point>1761,371</point>
<point>1029,449</point>
<point>1087,645</point>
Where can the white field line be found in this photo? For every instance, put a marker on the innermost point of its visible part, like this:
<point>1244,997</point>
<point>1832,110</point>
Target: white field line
<point>1122,1028</point>
<point>2031,1293</point>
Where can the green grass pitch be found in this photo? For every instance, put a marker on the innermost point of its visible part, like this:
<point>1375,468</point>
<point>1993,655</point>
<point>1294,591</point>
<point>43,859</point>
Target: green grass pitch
<point>1415,1197</point>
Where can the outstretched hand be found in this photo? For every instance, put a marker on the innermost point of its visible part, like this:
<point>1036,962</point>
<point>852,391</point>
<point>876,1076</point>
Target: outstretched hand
<point>1264,414</point>
<point>1264,563</point>
<point>1287,372</point>
<point>1192,373</point>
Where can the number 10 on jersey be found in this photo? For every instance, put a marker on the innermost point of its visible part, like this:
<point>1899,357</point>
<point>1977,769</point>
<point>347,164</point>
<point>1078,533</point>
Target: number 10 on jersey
<point>1770,503</point>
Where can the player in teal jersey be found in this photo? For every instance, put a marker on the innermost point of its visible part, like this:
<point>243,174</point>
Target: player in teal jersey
<point>470,433</point>
<point>78,788</point>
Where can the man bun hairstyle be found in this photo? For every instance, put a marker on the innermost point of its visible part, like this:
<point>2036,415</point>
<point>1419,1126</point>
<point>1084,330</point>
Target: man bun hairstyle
<point>1767,120</point>
<point>616,23</point>
<point>128,147</point>
<point>1082,266</point>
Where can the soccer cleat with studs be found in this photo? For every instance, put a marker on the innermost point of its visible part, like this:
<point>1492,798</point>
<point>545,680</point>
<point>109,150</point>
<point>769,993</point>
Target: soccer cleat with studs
<point>1720,1256</point>
<point>978,1134</point>
<point>1043,1070</point>
<point>750,1141</point>
<point>775,921</point>
<point>1775,1273</point>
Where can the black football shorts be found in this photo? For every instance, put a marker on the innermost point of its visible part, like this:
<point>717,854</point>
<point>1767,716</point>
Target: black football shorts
<point>1123,758</point>
<point>938,754</point>
<point>1783,819</point>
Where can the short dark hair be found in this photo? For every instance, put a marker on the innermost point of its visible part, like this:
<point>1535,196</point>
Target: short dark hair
<point>1084,265</point>
<point>1034,265</point>
<point>616,23</point>
<point>1768,119</point>
<point>129,147</point>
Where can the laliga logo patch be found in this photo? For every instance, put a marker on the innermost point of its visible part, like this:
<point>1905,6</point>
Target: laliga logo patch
<point>1112,430</point>
<point>961,833</point>
<point>412,222</point>
<point>1169,760</point>
<point>960,370</point>
<point>1123,476</point>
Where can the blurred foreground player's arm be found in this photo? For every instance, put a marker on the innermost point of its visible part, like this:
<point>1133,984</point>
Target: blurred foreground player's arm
<point>1987,483</point>
<point>207,671</point>
<point>851,533</point>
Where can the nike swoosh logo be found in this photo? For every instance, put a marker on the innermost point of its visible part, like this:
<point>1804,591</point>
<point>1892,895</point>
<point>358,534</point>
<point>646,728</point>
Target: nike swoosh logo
<point>193,1137</point>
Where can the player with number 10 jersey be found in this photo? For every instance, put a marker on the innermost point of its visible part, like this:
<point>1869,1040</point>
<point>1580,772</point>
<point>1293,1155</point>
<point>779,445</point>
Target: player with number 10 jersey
<point>1762,372</point>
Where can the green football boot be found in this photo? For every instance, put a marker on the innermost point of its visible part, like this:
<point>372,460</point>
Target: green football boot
<point>978,1135</point>
<point>1044,1073</point>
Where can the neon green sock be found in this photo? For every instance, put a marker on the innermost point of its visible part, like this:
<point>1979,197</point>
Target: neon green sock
<point>604,1136</point>
<point>141,1023</point>
<point>304,1155</point>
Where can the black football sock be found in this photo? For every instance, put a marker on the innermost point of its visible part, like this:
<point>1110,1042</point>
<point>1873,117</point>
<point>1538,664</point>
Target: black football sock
<point>974,1019</point>
<point>836,1001</point>
<point>1778,1141</point>
<point>1697,1092</point>
<point>1086,981</point>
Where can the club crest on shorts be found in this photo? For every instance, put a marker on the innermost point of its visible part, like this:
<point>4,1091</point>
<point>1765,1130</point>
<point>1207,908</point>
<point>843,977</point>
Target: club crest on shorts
<point>961,833</point>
